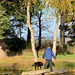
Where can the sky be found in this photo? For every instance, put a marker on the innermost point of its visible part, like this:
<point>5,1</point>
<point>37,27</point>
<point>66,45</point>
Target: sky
<point>47,33</point>
<point>47,20</point>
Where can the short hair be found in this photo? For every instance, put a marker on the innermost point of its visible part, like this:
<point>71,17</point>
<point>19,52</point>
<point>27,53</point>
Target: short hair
<point>48,45</point>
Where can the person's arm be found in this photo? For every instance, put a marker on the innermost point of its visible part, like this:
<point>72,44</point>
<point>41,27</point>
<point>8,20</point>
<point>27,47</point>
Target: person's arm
<point>53,55</point>
<point>43,55</point>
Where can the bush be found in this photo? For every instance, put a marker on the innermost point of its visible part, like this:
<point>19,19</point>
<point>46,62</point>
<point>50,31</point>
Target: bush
<point>14,45</point>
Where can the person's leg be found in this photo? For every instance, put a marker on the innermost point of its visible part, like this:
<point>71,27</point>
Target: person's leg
<point>51,69</point>
<point>46,64</point>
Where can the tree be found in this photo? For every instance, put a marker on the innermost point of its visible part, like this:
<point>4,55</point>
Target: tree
<point>4,22</point>
<point>62,6</point>
<point>38,12</point>
<point>28,4</point>
<point>29,39</point>
<point>22,5</point>
<point>55,34</point>
<point>39,18</point>
<point>4,25</point>
<point>51,4</point>
<point>31,30</point>
<point>32,33</point>
<point>41,23</point>
<point>40,29</point>
<point>71,32</point>
<point>70,27</point>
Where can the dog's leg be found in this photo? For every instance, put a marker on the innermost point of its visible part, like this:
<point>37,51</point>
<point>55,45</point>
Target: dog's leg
<point>40,67</point>
<point>35,68</point>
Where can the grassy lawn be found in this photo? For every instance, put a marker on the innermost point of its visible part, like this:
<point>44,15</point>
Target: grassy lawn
<point>25,61</point>
<point>65,61</point>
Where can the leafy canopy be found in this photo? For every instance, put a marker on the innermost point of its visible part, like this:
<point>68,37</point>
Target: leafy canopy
<point>4,22</point>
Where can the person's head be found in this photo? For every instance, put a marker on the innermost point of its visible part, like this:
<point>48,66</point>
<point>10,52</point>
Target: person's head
<point>48,45</point>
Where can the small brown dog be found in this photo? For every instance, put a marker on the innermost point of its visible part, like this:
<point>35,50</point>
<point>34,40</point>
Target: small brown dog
<point>37,64</point>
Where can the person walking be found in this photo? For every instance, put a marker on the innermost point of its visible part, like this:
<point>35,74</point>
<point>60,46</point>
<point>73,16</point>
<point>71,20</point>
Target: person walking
<point>48,54</point>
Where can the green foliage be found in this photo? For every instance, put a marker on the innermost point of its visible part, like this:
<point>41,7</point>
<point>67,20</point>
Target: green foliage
<point>71,32</point>
<point>9,7</point>
<point>15,45</point>
<point>13,9</point>
<point>4,22</point>
<point>60,6</point>
<point>66,50</point>
<point>73,7</point>
<point>38,8</point>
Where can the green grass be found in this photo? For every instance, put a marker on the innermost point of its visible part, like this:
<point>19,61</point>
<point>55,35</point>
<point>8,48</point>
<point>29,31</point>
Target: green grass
<point>65,64</point>
<point>66,57</point>
<point>25,61</point>
<point>65,61</point>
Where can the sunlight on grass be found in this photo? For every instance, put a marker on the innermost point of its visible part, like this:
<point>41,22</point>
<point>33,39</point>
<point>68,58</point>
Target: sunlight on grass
<point>25,61</point>
<point>70,56</point>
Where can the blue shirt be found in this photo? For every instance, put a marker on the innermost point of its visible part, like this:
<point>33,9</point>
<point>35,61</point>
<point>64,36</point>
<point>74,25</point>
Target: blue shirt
<point>48,54</point>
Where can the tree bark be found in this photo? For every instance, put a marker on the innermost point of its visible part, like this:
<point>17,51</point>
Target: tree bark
<point>2,49</point>
<point>55,35</point>
<point>40,29</point>
<point>28,38</point>
<point>62,32</point>
<point>20,32</point>
<point>32,33</point>
<point>2,53</point>
<point>29,35</point>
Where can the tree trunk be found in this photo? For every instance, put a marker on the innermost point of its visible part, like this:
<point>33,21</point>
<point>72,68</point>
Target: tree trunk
<point>2,49</point>
<point>32,33</point>
<point>20,33</point>
<point>62,32</point>
<point>55,35</point>
<point>2,53</point>
<point>28,38</point>
<point>40,29</point>
<point>29,35</point>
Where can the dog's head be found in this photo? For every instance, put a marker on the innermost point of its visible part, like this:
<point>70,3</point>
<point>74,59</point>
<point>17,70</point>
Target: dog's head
<point>41,63</point>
